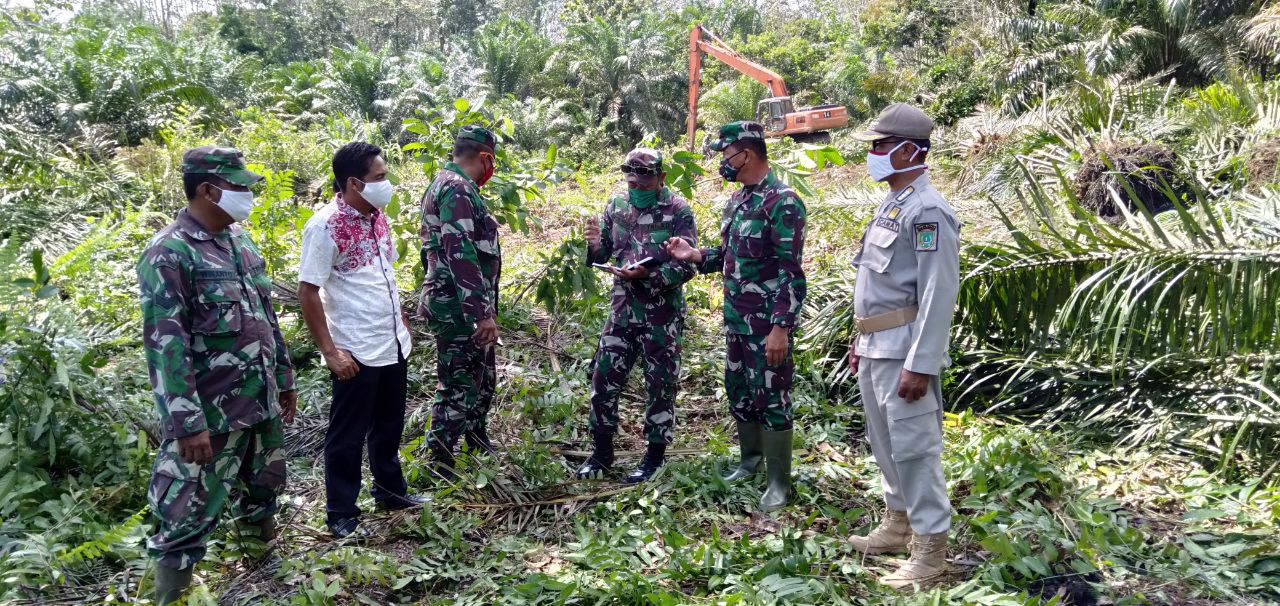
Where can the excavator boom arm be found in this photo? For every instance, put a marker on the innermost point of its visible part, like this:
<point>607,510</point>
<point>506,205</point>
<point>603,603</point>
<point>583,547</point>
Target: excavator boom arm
<point>769,78</point>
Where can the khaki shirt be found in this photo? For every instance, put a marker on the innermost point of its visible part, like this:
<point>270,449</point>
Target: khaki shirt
<point>910,256</point>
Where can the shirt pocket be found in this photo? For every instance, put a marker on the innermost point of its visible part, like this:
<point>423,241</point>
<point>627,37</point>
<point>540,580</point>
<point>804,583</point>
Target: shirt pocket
<point>751,237</point>
<point>877,249</point>
<point>658,236</point>
<point>218,310</point>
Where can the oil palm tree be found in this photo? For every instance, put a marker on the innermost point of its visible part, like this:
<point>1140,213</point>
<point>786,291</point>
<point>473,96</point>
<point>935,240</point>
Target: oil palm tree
<point>512,56</point>
<point>624,74</point>
<point>1190,41</point>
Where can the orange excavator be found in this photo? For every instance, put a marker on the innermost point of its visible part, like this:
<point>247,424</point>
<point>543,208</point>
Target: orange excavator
<point>777,112</point>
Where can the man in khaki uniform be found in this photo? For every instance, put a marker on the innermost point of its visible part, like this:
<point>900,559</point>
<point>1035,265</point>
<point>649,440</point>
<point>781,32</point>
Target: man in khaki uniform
<point>905,295</point>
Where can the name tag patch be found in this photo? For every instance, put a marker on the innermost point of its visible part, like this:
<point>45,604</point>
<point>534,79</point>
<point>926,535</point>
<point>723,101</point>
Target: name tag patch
<point>887,223</point>
<point>926,237</point>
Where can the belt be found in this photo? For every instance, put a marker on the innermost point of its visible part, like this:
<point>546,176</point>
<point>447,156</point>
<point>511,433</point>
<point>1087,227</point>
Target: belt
<point>885,321</point>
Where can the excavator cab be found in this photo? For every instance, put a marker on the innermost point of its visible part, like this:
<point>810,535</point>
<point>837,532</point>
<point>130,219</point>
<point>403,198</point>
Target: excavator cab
<point>772,113</point>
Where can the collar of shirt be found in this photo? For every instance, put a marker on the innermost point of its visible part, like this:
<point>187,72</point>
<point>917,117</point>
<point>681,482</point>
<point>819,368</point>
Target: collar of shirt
<point>768,182</point>
<point>920,183</point>
<point>458,169</point>
<point>351,211</point>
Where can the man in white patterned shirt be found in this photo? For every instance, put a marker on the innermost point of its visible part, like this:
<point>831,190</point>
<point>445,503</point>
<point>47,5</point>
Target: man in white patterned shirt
<point>352,308</point>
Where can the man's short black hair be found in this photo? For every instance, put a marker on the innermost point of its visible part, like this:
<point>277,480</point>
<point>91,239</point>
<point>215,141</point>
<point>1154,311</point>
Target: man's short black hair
<point>756,146</point>
<point>466,148</point>
<point>353,160</point>
<point>191,181</point>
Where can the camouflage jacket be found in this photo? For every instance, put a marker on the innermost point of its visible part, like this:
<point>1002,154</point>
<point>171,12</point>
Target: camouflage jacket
<point>461,257</point>
<point>214,349</point>
<point>629,234</point>
<point>761,246</point>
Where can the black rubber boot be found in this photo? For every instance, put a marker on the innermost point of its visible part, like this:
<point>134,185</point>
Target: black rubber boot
<point>750,440</point>
<point>478,441</point>
<point>653,459</point>
<point>171,583</point>
<point>601,459</point>
<point>777,461</point>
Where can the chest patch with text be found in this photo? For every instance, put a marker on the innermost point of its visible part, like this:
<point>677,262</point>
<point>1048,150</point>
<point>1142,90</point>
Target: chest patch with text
<point>887,223</point>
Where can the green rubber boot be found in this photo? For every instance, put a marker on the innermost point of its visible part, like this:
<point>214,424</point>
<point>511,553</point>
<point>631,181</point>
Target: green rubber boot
<point>749,441</point>
<point>777,461</point>
<point>171,583</point>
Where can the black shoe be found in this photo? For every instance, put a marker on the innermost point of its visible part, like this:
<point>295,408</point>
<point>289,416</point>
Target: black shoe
<point>477,440</point>
<point>601,460</point>
<point>654,457</point>
<point>399,502</point>
<point>348,528</point>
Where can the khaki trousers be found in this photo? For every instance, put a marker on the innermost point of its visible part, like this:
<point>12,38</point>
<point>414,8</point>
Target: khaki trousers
<point>906,439</point>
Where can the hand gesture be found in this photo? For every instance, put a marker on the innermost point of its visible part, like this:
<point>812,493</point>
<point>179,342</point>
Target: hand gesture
<point>592,233</point>
<point>680,250</point>
<point>341,364</point>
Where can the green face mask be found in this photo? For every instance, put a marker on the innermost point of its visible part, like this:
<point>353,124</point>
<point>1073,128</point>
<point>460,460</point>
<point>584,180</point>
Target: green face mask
<point>642,199</point>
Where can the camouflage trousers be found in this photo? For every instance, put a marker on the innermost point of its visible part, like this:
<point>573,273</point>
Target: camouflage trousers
<point>757,392</point>
<point>186,499</point>
<point>659,347</point>
<point>467,379</point>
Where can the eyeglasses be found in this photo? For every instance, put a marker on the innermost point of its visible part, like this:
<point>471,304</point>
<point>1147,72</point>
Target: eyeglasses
<point>639,171</point>
<point>885,144</point>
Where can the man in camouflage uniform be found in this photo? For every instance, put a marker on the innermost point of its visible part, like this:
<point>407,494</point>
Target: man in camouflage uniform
<point>219,368</point>
<point>762,241</point>
<point>462,261</point>
<point>646,309</point>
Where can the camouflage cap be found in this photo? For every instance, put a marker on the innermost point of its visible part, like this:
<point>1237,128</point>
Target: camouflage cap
<point>644,156</point>
<point>478,135</point>
<point>898,120</point>
<point>225,162</point>
<point>736,131</point>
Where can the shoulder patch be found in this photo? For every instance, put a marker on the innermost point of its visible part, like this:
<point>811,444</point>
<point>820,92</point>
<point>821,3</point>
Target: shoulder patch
<point>904,193</point>
<point>926,237</point>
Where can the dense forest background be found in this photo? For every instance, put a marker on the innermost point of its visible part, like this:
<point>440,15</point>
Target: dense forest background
<point>1113,422</point>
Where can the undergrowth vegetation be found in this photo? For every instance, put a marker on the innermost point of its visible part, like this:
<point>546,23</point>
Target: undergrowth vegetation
<point>1112,428</point>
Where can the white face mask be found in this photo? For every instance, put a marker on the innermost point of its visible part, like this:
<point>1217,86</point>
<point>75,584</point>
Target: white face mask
<point>880,166</point>
<point>237,204</point>
<point>377,193</point>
